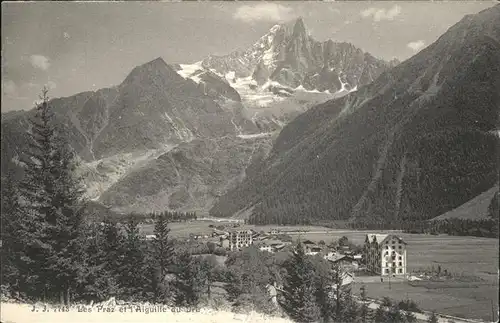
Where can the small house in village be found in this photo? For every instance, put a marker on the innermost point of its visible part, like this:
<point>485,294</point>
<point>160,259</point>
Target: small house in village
<point>385,254</point>
<point>311,248</point>
<point>346,280</point>
<point>224,243</point>
<point>347,263</point>
<point>271,245</point>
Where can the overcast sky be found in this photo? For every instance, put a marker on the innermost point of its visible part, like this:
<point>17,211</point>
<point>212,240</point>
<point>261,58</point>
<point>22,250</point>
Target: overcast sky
<point>74,47</point>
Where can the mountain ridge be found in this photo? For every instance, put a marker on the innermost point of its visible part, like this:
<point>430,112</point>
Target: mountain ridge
<point>135,130</point>
<point>388,152</point>
<point>288,55</point>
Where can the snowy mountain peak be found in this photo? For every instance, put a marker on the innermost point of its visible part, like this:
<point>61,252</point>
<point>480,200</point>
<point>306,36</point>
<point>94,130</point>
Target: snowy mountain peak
<point>288,55</point>
<point>275,28</point>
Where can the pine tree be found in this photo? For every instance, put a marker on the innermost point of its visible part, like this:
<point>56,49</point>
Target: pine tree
<point>380,315</point>
<point>324,289</point>
<point>234,285</point>
<point>111,255</point>
<point>131,271</point>
<point>298,299</point>
<point>93,280</point>
<point>208,268</point>
<point>350,313</point>
<point>189,282</point>
<point>394,315</point>
<point>51,195</point>
<point>13,227</point>
<point>364,311</point>
<point>342,297</point>
<point>163,253</point>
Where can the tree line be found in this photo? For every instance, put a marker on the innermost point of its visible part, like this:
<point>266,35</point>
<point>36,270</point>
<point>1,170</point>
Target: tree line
<point>487,228</point>
<point>170,216</point>
<point>51,253</point>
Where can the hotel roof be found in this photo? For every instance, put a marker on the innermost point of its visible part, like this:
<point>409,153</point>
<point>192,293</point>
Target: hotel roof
<point>379,238</point>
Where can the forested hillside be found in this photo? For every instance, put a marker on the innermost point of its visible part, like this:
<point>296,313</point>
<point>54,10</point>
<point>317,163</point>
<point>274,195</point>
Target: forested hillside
<point>417,142</point>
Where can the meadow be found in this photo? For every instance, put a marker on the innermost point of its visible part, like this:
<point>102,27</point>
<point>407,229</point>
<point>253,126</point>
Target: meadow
<point>465,257</point>
<point>472,256</point>
<point>462,256</point>
<point>470,300</point>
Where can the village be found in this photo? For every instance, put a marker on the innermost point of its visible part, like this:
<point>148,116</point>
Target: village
<point>383,255</point>
<point>378,261</point>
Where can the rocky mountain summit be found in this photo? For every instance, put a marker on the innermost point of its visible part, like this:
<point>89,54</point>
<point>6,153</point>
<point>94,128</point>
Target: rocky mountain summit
<point>288,55</point>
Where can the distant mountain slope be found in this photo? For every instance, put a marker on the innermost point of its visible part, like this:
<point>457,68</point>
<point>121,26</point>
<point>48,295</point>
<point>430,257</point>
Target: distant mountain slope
<point>475,209</point>
<point>152,107</point>
<point>119,130</point>
<point>220,115</point>
<point>414,144</point>
<point>189,177</point>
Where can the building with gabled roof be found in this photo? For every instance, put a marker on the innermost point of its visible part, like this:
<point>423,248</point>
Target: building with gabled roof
<point>385,254</point>
<point>311,248</point>
<point>271,245</point>
<point>240,238</point>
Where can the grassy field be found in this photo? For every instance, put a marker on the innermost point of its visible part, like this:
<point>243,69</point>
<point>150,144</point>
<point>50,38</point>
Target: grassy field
<point>467,256</point>
<point>461,255</point>
<point>473,300</point>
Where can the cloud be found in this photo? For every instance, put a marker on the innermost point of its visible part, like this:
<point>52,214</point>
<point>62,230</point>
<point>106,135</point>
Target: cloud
<point>416,45</point>
<point>32,85</point>
<point>381,14</point>
<point>51,85</point>
<point>9,88</point>
<point>66,35</point>
<point>263,12</point>
<point>12,91</point>
<point>40,61</point>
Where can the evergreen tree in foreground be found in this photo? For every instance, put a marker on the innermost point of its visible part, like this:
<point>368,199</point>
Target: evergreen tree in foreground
<point>163,255</point>
<point>298,299</point>
<point>93,281</point>
<point>190,280</point>
<point>132,278</point>
<point>324,289</point>
<point>364,311</point>
<point>111,257</point>
<point>51,197</point>
<point>12,227</point>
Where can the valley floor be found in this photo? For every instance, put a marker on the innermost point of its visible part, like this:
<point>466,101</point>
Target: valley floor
<point>475,301</point>
<point>472,294</point>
